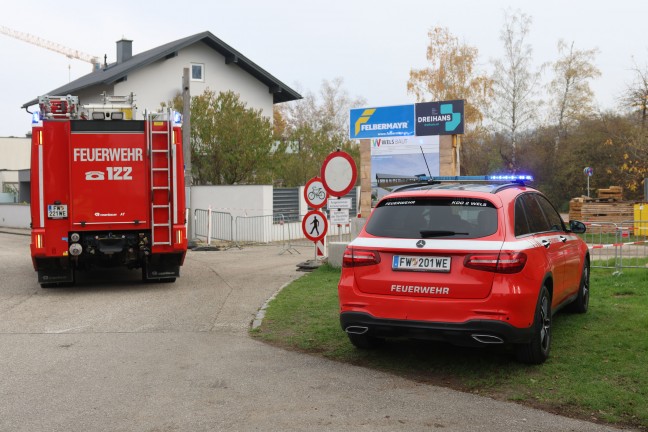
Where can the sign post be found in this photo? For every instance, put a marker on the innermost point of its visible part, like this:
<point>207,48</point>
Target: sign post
<point>588,171</point>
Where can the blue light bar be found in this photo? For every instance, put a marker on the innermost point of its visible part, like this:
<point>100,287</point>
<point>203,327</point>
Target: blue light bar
<point>517,178</point>
<point>36,117</point>
<point>511,177</point>
<point>177,118</point>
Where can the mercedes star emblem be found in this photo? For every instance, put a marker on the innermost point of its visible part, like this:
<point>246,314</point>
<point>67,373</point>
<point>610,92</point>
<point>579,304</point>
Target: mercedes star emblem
<point>420,243</point>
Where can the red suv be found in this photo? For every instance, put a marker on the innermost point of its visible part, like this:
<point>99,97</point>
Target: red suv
<point>469,260</point>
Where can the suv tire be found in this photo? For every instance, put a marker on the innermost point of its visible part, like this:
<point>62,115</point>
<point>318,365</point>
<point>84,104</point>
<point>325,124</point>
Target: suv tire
<point>581,303</point>
<point>536,351</point>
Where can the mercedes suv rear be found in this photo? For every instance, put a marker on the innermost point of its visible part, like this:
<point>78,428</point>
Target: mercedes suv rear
<point>471,263</point>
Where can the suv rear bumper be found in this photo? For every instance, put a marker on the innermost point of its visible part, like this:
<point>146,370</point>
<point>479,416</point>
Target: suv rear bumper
<point>469,333</point>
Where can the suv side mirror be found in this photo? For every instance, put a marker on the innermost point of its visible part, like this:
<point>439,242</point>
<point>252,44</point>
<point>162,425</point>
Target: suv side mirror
<point>577,227</point>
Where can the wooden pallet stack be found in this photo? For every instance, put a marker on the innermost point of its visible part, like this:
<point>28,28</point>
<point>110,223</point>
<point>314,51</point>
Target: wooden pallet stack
<point>611,193</point>
<point>608,207</point>
<point>576,207</point>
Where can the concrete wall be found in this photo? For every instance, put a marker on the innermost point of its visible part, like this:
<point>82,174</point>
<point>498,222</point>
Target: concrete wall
<point>14,216</point>
<point>14,156</point>
<point>238,200</point>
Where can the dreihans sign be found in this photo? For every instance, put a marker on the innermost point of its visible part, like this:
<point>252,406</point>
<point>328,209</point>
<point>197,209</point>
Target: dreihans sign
<point>439,118</point>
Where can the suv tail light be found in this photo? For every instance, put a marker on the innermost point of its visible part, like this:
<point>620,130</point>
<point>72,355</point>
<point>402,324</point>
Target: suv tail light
<point>356,258</point>
<point>503,262</point>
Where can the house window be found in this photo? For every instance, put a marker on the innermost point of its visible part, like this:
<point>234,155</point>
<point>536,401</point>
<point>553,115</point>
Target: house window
<point>197,72</point>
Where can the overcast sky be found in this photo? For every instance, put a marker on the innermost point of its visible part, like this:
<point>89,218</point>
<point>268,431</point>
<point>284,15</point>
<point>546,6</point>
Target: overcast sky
<point>372,45</point>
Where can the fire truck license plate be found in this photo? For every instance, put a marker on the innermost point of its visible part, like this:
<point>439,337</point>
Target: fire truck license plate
<point>421,263</point>
<point>57,211</point>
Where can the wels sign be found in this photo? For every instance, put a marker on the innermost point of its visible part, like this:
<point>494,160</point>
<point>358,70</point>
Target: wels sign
<point>382,122</point>
<point>440,118</point>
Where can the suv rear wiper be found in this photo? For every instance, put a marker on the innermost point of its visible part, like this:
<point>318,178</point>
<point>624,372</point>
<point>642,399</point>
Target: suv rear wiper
<point>439,233</point>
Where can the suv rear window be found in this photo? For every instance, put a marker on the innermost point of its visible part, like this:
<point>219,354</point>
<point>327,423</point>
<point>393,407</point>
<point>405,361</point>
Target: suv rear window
<point>433,218</point>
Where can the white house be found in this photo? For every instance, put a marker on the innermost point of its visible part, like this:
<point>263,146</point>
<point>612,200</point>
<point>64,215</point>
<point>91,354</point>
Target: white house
<point>155,76</point>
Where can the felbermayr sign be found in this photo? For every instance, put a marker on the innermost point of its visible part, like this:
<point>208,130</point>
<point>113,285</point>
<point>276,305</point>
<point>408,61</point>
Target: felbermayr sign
<point>380,122</point>
<point>440,118</point>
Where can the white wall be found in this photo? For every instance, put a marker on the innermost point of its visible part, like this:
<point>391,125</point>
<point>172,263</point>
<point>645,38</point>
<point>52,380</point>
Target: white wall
<point>14,216</point>
<point>238,200</point>
<point>162,80</point>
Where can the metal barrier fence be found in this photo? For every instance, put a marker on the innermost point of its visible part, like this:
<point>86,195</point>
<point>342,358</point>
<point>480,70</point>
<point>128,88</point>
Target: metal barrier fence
<point>214,225</point>
<point>618,245</point>
<point>284,229</point>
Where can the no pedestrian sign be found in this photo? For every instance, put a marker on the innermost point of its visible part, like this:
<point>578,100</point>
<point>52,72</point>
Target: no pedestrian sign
<point>314,225</point>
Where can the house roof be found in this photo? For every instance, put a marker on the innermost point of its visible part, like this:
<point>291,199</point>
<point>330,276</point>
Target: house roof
<point>118,71</point>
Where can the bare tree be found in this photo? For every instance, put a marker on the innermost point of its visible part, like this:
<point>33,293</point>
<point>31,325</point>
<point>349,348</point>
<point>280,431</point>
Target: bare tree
<point>451,74</point>
<point>307,130</point>
<point>328,111</point>
<point>636,95</point>
<point>515,84</point>
<point>572,99</point>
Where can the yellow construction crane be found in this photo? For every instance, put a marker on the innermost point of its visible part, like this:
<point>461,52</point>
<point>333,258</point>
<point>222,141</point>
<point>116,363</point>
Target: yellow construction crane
<point>53,46</point>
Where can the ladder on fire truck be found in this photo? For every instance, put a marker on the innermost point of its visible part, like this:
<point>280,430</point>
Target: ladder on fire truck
<point>160,145</point>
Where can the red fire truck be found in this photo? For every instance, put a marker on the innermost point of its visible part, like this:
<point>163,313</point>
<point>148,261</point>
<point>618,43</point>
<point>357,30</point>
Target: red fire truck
<point>106,190</point>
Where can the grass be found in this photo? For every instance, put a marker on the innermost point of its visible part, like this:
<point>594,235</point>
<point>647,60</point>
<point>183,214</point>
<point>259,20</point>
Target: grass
<point>597,368</point>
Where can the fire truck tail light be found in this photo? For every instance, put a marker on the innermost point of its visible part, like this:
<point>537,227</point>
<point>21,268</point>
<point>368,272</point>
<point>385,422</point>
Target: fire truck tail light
<point>504,262</point>
<point>39,241</point>
<point>358,258</point>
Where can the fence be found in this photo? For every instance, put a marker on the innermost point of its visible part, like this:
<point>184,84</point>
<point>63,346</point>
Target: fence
<point>284,229</point>
<point>612,245</point>
<point>618,245</point>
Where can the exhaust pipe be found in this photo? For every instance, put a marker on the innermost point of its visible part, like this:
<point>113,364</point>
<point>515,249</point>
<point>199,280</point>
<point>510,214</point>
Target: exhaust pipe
<point>487,339</point>
<point>356,330</point>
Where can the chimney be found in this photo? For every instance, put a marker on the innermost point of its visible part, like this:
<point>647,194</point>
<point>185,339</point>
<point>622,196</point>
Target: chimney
<point>124,50</point>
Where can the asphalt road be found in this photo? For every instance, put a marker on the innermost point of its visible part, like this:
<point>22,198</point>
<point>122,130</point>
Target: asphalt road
<point>118,355</point>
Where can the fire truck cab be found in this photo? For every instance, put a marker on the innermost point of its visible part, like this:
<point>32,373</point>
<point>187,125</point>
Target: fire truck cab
<point>106,190</point>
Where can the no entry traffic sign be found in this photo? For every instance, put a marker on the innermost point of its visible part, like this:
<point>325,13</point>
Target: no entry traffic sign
<point>314,225</point>
<point>339,173</point>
